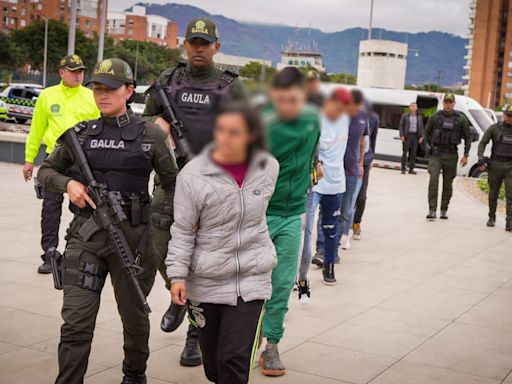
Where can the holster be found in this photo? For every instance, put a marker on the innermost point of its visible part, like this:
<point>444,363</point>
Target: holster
<point>55,258</point>
<point>39,189</point>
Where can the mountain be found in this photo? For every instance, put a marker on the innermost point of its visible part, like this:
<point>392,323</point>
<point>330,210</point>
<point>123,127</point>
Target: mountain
<point>437,51</point>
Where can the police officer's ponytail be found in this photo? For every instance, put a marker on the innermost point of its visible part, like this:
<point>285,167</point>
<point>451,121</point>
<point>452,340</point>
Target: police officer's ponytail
<point>131,99</point>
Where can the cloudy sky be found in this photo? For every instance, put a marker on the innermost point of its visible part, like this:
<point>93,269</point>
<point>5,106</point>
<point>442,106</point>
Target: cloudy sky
<point>334,15</point>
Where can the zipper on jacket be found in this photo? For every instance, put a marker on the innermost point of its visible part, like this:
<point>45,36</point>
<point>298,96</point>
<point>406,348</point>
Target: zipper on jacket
<point>239,240</point>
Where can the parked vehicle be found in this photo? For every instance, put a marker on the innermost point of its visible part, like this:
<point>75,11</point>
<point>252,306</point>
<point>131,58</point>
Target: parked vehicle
<point>391,104</point>
<point>20,100</point>
<point>139,102</point>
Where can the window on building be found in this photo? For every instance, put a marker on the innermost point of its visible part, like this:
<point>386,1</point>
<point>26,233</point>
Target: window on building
<point>14,9</point>
<point>130,31</point>
<point>23,23</point>
<point>40,6</point>
<point>379,53</point>
<point>130,21</point>
<point>5,20</point>
<point>87,23</point>
<point>6,9</point>
<point>290,62</point>
<point>23,11</point>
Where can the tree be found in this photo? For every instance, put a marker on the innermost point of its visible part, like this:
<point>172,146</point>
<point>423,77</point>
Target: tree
<point>12,55</point>
<point>254,70</point>
<point>342,78</point>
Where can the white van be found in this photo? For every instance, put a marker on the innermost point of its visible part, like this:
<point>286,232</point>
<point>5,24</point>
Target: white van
<point>139,102</point>
<point>391,104</point>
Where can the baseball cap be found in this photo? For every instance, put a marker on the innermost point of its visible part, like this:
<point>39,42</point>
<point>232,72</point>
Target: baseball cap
<point>507,109</point>
<point>449,97</point>
<point>312,75</point>
<point>72,63</point>
<point>112,72</point>
<point>202,28</point>
<point>342,95</point>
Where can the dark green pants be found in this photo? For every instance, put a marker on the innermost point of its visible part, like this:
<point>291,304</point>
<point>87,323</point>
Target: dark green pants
<point>80,305</point>
<point>499,172</point>
<point>447,163</point>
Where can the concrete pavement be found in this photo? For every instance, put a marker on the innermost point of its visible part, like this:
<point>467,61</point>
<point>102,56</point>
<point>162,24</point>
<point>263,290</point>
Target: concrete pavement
<point>417,302</point>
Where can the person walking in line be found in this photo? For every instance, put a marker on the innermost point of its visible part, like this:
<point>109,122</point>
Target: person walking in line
<point>329,191</point>
<point>57,108</point>
<point>293,130</point>
<point>373,126</point>
<point>221,256</point>
<point>411,135</point>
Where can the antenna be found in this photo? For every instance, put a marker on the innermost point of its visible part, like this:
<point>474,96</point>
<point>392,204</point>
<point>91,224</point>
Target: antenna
<point>371,21</point>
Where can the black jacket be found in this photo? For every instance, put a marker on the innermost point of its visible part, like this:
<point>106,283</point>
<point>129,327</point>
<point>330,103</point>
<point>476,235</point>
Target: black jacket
<point>404,125</point>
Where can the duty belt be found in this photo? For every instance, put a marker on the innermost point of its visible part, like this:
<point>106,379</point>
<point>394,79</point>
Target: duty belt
<point>503,159</point>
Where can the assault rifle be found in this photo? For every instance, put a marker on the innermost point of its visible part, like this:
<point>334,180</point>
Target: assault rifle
<point>110,213</point>
<point>182,146</point>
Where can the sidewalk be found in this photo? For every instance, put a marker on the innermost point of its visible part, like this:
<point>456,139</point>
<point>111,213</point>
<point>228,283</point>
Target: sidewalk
<point>417,302</point>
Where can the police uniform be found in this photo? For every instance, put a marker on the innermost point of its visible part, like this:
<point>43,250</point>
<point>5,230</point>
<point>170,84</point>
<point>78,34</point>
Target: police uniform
<point>194,94</point>
<point>121,151</point>
<point>443,133</point>
<point>55,111</point>
<point>500,168</point>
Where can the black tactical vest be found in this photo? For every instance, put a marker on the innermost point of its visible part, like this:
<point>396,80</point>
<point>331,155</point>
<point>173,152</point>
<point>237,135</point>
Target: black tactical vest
<point>195,105</point>
<point>118,157</point>
<point>503,147</point>
<point>447,130</point>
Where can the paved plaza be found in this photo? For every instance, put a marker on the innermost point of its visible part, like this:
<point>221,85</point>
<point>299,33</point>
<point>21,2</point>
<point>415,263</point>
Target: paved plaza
<point>417,302</point>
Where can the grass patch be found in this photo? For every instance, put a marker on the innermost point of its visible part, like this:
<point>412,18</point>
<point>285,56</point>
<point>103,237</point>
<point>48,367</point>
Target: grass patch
<point>484,186</point>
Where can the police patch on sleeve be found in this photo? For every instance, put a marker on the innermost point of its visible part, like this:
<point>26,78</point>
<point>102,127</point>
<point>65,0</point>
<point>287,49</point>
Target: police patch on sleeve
<point>146,147</point>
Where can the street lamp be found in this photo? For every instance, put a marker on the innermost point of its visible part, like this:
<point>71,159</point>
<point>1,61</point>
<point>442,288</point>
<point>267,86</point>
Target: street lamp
<point>45,59</point>
<point>101,42</point>
<point>72,27</point>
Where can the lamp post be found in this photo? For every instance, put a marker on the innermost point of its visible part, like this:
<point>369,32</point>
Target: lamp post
<point>72,27</point>
<point>136,60</point>
<point>101,42</point>
<point>45,59</point>
<point>371,21</point>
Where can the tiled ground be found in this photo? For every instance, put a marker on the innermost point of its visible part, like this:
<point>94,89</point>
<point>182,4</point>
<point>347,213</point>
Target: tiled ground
<point>416,302</point>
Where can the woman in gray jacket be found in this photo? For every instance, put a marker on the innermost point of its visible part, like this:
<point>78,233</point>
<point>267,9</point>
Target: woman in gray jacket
<point>221,257</point>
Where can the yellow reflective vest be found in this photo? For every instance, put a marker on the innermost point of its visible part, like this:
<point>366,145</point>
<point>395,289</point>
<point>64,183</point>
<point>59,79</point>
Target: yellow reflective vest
<point>57,109</point>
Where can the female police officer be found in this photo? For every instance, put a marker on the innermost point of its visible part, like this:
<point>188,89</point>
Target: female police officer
<point>121,150</point>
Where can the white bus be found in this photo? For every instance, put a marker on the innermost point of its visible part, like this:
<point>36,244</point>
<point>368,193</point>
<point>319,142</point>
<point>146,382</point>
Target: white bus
<point>391,104</point>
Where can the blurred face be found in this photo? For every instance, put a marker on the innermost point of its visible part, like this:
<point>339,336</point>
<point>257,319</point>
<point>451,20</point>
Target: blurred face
<point>354,109</point>
<point>111,101</point>
<point>448,105</point>
<point>231,136</point>
<point>333,109</point>
<point>413,107</point>
<point>72,79</point>
<point>312,87</point>
<point>507,118</point>
<point>200,52</point>
<point>288,101</point>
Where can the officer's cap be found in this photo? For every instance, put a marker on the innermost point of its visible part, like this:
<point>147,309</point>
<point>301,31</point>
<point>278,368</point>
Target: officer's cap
<point>507,109</point>
<point>72,63</point>
<point>202,28</point>
<point>312,75</point>
<point>112,72</point>
<point>449,97</point>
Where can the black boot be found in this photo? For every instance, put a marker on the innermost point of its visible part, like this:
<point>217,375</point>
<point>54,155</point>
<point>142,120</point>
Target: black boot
<point>134,379</point>
<point>431,215</point>
<point>46,267</point>
<point>173,318</point>
<point>191,355</point>
<point>492,221</point>
<point>328,273</point>
<point>508,226</point>
<point>444,214</point>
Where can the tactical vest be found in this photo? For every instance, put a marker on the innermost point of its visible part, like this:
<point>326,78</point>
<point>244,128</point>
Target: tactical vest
<point>447,130</point>
<point>195,105</point>
<point>118,157</point>
<point>503,147</point>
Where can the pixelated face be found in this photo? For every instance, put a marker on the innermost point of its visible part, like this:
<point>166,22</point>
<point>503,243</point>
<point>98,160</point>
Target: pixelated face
<point>231,135</point>
<point>288,101</point>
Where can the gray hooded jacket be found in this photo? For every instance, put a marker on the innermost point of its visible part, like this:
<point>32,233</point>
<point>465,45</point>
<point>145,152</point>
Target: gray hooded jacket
<point>220,242</point>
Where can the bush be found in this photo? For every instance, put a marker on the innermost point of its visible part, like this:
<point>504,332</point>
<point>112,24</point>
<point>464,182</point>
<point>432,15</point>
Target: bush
<point>483,184</point>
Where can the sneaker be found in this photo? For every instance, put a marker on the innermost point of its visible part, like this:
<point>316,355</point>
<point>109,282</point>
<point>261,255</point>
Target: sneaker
<point>337,260</point>
<point>345,242</point>
<point>403,172</point>
<point>304,292</point>
<point>413,172</point>
<point>444,215</point>
<point>270,362</point>
<point>134,379</point>
<point>356,228</point>
<point>431,215</point>
<point>296,286</point>
<point>491,222</point>
<point>328,273</point>
<point>318,259</point>
<point>46,267</point>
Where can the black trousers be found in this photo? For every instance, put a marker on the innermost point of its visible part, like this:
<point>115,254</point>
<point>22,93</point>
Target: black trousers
<point>50,219</point>
<point>228,337</point>
<point>409,150</point>
<point>361,198</point>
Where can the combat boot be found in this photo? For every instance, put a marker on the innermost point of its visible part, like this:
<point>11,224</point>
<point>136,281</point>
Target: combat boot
<point>444,215</point>
<point>191,355</point>
<point>270,362</point>
<point>328,274</point>
<point>46,267</point>
<point>173,318</point>
<point>508,226</point>
<point>431,215</point>
<point>492,221</point>
<point>134,379</point>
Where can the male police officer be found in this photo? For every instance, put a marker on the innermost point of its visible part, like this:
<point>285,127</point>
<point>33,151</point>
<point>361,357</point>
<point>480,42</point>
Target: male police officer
<point>57,108</point>
<point>443,133</point>
<point>121,150</point>
<point>194,89</point>
<point>500,168</point>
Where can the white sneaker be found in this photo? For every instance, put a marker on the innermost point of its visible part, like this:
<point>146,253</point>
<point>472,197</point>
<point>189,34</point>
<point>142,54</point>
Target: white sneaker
<point>345,242</point>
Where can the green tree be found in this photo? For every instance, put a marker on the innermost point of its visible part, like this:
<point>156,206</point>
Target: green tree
<point>12,54</point>
<point>253,71</point>
<point>342,78</point>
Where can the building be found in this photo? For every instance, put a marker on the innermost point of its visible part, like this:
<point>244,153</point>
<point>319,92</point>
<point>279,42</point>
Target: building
<point>234,63</point>
<point>298,57</point>
<point>18,14</point>
<point>137,25</point>
<point>489,52</point>
<point>382,64</point>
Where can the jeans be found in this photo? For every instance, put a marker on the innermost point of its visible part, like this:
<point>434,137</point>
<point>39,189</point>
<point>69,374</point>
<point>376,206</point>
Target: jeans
<point>409,150</point>
<point>330,224</point>
<point>312,205</point>
<point>361,197</point>
<point>348,203</point>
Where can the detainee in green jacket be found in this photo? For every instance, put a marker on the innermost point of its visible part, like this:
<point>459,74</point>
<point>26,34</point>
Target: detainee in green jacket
<point>293,130</point>
<point>57,108</point>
